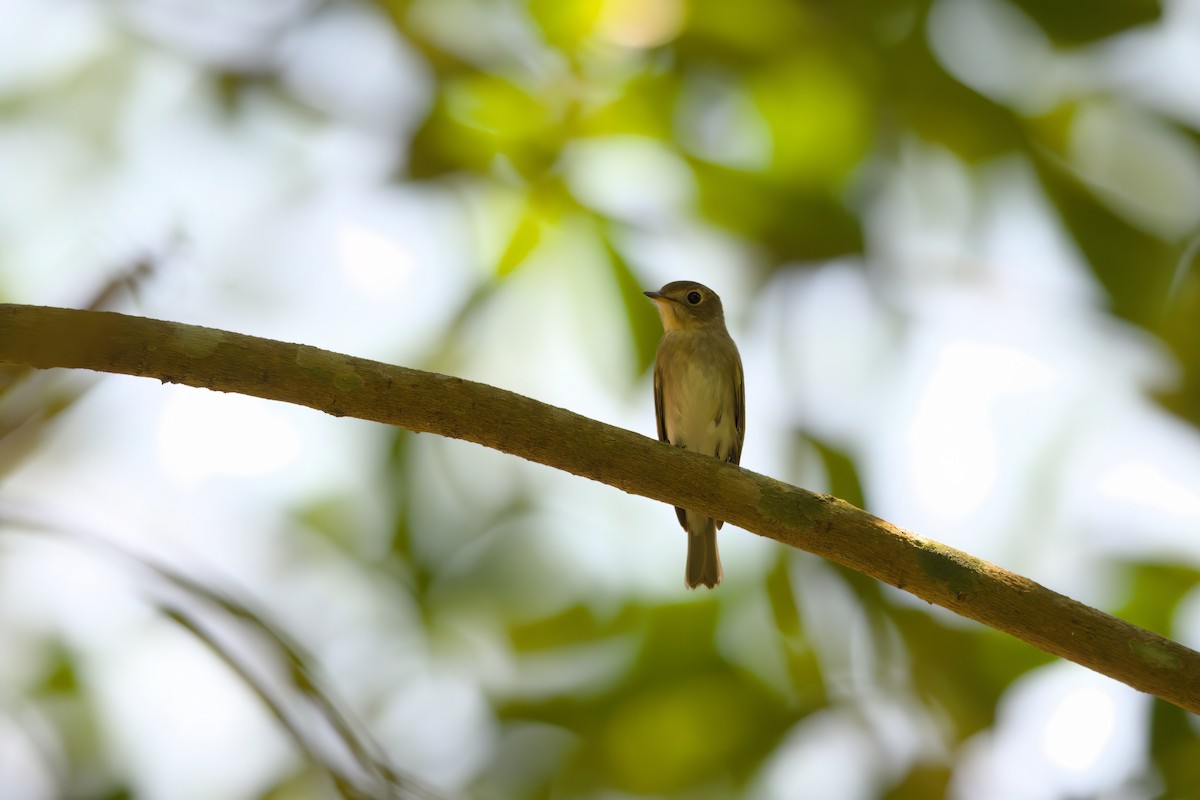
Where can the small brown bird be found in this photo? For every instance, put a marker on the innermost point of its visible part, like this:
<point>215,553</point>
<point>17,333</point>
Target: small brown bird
<point>700,400</point>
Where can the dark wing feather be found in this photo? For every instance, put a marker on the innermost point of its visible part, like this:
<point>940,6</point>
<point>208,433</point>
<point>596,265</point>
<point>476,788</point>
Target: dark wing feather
<point>660,413</point>
<point>739,416</point>
<point>658,404</point>
<point>739,419</point>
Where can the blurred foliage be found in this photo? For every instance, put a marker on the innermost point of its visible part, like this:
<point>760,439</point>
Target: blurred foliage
<point>781,113</point>
<point>1112,244</point>
<point>1154,592</point>
<point>1175,748</point>
<point>655,730</point>
<point>833,85</point>
<point>1063,22</point>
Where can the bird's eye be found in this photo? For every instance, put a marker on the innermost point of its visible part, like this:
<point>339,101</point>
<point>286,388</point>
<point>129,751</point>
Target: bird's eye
<point>693,298</point>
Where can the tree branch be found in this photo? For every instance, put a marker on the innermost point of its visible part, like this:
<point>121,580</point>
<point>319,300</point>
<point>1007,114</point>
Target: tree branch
<point>425,402</point>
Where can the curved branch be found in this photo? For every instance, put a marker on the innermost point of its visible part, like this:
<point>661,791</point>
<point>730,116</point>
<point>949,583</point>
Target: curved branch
<point>425,402</point>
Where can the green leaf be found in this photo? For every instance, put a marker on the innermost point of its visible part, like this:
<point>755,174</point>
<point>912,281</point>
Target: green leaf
<point>643,106</point>
<point>803,666</point>
<point>644,327</point>
<point>1069,23</point>
<point>926,101</point>
<point>61,678</point>
<point>1135,267</point>
<point>820,117</point>
<point>792,224</point>
<point>566,24</point>
<point>923,781</point>
<point>571,626</point>
<point>1179,330</point>
<point>524,239</point>
<point>962,670</point>
<point>1175,750</point>
<point>745,30</point>
<point>686,731</point>
<point>1154,592</point>
<point>843,474</point>
<point>480,117</point>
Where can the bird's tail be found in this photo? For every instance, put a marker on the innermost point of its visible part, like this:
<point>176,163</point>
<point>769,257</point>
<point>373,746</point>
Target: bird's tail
<point>703,562</point>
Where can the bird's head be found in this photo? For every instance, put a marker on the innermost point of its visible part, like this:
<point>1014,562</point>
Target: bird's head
<point>687,304</point>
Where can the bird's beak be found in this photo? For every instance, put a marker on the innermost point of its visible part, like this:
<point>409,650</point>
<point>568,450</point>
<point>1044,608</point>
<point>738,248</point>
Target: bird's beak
<point>656,296</point>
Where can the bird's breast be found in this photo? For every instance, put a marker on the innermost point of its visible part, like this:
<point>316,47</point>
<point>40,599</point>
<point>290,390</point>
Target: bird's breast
<point>698,399</point>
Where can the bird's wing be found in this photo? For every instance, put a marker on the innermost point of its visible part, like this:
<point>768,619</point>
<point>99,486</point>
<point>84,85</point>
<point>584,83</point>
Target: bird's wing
<point>660,411</point>
<point>739,415</point>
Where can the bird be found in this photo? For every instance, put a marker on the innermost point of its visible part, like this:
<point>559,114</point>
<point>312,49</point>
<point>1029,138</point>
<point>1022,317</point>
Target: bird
<point>699,400</point>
